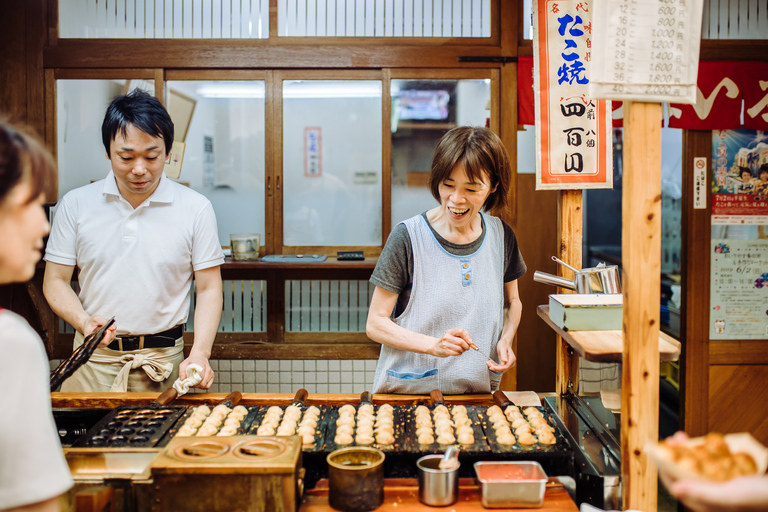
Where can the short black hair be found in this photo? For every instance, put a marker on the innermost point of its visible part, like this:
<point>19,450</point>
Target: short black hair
<point>143,111</point>
<point>23,157</point>
<point>763,168</point>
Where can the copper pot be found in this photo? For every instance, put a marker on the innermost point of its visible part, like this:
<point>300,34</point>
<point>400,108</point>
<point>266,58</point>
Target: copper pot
<point>356,479</point>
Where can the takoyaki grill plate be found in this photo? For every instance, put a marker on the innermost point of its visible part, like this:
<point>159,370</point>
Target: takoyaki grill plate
<point>135,426</point>
<point>400,444</point>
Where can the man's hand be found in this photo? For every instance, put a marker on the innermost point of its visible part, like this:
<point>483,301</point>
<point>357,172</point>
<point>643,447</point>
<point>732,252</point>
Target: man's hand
<point>203,363</point>
<point>453,343</point>
<point>96,322</point>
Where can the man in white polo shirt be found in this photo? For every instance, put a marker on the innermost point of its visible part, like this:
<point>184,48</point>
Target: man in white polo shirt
<point>137,239</point>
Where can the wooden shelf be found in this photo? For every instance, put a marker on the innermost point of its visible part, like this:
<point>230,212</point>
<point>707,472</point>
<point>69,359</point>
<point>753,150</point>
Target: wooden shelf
<point>606,346</point>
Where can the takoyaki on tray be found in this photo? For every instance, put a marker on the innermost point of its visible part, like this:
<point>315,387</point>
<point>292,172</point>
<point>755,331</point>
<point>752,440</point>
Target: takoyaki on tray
<point>296,419</point>
<point>522,431</point>
<point>381,427</point>
<point>433,429</point>
<point>214,420</point>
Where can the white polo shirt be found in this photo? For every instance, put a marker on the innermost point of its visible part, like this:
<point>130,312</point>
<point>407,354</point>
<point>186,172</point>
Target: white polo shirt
<point>32,464</point>
<point>135,264</point>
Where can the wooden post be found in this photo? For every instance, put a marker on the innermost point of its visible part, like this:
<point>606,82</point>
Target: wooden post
<point>641,280</point>
<point>569,233</point>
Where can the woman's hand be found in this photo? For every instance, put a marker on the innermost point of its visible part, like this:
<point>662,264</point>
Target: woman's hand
<point>506,357</point>
<point>453,343</point>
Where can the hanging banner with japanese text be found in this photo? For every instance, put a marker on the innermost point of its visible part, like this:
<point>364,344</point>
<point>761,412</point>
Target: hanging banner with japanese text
<point>313,152</point>
<point>573,131</point>
<point>739,177</point>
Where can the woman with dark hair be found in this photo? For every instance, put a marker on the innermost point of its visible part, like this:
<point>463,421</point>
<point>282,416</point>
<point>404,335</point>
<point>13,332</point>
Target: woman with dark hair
<point>33,472</point>
<point>446,281</point>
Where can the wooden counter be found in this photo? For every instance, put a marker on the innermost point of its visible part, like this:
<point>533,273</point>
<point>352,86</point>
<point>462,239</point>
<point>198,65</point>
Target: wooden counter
<point>606,346</point>
<point>402,495</point>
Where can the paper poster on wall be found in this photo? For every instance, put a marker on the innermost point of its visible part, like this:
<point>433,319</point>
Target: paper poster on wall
<point>739,177</point>
<point>739,290</point>
<point>313,151</point>
<point>573,130</point>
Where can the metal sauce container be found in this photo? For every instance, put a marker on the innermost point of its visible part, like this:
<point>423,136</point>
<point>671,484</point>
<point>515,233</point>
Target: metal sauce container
<point>600,279</point>
<point>356,479</point>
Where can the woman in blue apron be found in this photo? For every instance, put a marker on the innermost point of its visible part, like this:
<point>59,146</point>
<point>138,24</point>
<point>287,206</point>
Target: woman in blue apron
<point>446,280</point>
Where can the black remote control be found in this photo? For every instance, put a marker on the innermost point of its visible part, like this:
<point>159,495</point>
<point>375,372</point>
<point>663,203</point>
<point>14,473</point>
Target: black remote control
<point>349,255</point>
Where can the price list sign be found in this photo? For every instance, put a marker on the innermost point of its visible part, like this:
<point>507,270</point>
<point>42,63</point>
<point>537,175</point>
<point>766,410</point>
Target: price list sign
<point>646,50</point>
<point>739,289</point>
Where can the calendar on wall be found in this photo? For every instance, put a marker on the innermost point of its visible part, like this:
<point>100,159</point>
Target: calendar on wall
<point>739,289</point>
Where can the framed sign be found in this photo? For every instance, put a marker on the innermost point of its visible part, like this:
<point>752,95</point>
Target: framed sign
<point>573,130</point>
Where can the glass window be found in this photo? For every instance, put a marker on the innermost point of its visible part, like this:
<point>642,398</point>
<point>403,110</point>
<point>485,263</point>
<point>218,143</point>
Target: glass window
<point>80,106</point>
<point>332,163</point>
<point>422,112</point>
<point>224,155</point>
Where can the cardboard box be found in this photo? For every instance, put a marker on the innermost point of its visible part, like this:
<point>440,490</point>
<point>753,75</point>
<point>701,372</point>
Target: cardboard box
<point>586,312</point>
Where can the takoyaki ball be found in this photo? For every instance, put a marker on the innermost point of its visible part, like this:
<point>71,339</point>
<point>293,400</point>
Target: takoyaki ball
<point>232,422</point>
<point>502,431</point>
<point>305,429</point>
<point>459,409</point>
<point>423,430</point>
<point>193,421</point>
<point>240,409</point>
<point>441,408</point>
<point>203,409</point>
<point>265,430</point>
<point>365,421</point>
<point>541,424</point>
<point>347,409</point>
<point>386,408</point>
<point>345,429</point>
<point>384,420</point>
<point>526,439</point>
<point>221,409</point>
<point>421,409</point>
<point>461,420</point>
<point>494,409</point>
<point>426,438</point>
<point>523,429</point>
<point>423,422</point>
<point>364,438</point>
<point>506,439</point>
<point>186,431</point>
<point>312,422</point>
<point>343,439</point>
<point>345,420</point>
<point>308,439</point>
<point>364,431</point>
<point>546,437</point>
<point>519,423</point>
<point>275,410</point>
<point>312,410</point>
<point>206,431</point>
<point>286,430</point>
<point>365,408</point>
<point>466,438</point>
<point>214,421</point>
<point>499,424</point>
<point>385,438</point>
<point>271,421</point>
<point>441,415</point>
<point>511,409</point>
<point>532,411</point>
<point>464,429</point>
<point>446,438</point>
<point>227,431</point>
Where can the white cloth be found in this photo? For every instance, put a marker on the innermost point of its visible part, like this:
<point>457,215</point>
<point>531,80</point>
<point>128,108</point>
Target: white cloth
<point>448,291</point>
<point>136,265</point>
<point>32,464</point>
<point>145,370</point>
<point>194,377</point>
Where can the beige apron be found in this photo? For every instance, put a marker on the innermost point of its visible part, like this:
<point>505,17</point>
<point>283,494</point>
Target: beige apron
<point>112,370</point>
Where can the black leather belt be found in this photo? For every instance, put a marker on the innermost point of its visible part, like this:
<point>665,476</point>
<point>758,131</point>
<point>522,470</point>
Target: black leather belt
<point>163,339</point>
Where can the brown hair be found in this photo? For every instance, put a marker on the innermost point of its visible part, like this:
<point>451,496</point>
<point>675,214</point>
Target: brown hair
<point>23,157</point>
<point>482,154</point>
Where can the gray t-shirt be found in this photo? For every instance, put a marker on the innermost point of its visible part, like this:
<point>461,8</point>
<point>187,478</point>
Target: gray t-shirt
<point>394,270</point>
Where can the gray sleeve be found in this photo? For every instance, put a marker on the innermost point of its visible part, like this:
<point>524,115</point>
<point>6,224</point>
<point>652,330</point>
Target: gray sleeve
<point>394,270</point>
<point>514,264</point>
